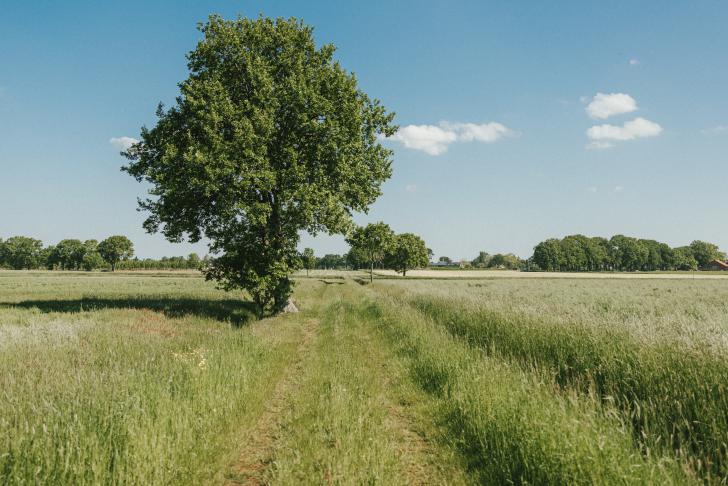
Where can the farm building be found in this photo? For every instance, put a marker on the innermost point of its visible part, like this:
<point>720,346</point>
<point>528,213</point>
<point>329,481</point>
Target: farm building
<point>716,265</point>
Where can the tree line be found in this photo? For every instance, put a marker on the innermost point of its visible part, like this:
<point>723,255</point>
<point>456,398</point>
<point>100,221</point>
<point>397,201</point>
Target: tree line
<point>579,253</point>
<point>114,253</point>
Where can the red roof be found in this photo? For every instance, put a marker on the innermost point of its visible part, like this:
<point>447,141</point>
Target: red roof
<point>719,264</point>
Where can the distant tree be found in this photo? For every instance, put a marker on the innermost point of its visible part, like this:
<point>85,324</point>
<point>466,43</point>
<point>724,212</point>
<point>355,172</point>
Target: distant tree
<point>21,252</point>
<point>599,254</point>
<point>2,253</point>
<point>193,261</point>
<point>372,242</point>
<point>407,251</point>
<point>705,252</point>
<point>481,261</point>
<point>654,255</point>
<point>445,259</point>
<point>67,254</point>
<point>330,261</point>
<point>45,259</point>
<point>92,260</point>
<point>270,136</point>
<point>667,256</point>
<point>574,253</point>
<point>308,257</point>
<point>507,261</point>
<point>356,259</point>
<point>115,249</point>
<point>430,255</point>
<point>630,254</point>
<point>547,255</point>
<point>684,259</point>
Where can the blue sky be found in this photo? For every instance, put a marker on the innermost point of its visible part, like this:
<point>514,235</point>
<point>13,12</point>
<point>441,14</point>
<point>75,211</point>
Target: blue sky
<point>496,101</point>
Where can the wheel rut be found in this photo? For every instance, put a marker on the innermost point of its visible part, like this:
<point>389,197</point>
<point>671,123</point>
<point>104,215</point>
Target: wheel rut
<point>258,445</point>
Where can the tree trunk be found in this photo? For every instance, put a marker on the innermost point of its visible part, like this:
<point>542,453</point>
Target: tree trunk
<point>371,273</point>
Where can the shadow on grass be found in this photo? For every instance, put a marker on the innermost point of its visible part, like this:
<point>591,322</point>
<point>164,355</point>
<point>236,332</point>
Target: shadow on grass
<point>236,312</point>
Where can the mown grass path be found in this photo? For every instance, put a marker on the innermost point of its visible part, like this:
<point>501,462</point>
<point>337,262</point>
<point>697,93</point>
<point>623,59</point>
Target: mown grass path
<point>339,417</point>
<point>259,440</point>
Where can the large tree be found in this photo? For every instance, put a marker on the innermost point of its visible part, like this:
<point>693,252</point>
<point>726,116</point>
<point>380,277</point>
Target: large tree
<point>371,243</point>
<point>407,251</point>
<point>115,249</point>
<point>269,137</point>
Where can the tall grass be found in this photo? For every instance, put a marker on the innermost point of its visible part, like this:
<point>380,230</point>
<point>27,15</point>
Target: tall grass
<point>511,426</point>
<point>127,395</point>
<point>673,391</point>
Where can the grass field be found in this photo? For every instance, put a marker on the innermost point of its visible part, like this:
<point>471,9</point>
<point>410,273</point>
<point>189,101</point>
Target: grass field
<point>158,378</point>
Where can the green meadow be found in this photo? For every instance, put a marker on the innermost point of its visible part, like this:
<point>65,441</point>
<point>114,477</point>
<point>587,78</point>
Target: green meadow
<point>159,378</point>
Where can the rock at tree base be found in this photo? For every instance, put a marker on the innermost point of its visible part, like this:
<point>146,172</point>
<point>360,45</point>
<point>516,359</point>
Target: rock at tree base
<point>290,307</point>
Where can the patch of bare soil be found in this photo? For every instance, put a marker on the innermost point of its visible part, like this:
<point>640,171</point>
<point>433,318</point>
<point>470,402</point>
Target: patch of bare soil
<point>258,446</point>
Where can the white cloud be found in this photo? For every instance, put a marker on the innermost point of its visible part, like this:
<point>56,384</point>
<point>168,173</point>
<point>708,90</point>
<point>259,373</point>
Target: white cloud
<point>637,128</point>
<point>428,138</point>
<point>591,189</point>
<point>123,143</point>
<point>410,188</point>
<point>618,189</point>
<point>434,139</point>
<point>486,132</point>
<point>602,106</point>
<point>634,62</point>
<point>717,130</point>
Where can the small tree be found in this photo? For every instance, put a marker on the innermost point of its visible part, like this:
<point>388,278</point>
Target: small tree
<point>308,258</point>
<point>269,137</point>
<point>406,252</point>
<point>372,242</point>
<point>115,249</point>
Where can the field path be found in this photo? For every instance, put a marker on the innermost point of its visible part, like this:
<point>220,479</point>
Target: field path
<point>259,444</point>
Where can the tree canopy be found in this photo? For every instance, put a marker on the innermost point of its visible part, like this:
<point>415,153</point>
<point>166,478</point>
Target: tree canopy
<point>21,252</point>
<point>407,251</point>
<point>371,243</point>
<point>269,137</point>
<point>115,249</point>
